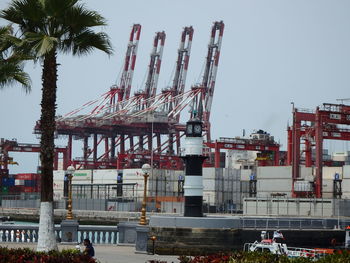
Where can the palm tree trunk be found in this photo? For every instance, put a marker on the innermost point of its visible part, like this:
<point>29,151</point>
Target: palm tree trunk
<point>47,238</point>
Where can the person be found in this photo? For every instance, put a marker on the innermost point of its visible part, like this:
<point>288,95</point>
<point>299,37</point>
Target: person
<point>89,249</point>
<point>278,236</point>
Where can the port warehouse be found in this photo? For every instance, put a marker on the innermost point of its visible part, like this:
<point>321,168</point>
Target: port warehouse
<point>226,190</point>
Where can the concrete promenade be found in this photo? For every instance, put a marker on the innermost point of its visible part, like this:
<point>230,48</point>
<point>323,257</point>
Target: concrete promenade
<point>108,253</point>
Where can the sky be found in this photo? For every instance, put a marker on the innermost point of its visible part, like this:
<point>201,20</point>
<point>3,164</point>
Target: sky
<point>274,52</point>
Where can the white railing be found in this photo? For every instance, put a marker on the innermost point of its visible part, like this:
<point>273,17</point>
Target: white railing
<point>29,233</point>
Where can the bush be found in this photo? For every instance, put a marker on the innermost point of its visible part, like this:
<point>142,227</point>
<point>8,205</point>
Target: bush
<point>26,255</point>
<point>254,257</point>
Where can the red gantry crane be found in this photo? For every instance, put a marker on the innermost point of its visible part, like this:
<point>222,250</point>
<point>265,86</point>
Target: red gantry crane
<point>128,125</point>
<point>313,127</point>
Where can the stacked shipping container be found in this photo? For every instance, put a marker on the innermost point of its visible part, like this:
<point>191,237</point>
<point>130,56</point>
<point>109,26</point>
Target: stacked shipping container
<point>20,183</point>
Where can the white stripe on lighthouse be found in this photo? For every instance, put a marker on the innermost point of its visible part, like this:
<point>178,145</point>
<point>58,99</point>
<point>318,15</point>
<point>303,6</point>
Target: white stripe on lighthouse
<point>193,145</point>
<point>193,185</point>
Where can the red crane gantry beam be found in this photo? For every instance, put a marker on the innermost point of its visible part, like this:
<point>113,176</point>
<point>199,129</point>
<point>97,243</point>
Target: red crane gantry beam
<point>7,146</point>
<point>243,145</point>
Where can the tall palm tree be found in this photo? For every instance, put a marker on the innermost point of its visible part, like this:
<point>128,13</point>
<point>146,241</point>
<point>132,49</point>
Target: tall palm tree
<point>49,27</point>
<point>11,62</point>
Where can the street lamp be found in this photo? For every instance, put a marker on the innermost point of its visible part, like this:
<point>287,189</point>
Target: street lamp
<point>70,172</point>
<point>146,168</point>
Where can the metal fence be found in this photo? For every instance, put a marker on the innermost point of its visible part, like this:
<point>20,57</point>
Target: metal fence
<point>293,223</point>
<point>268,206</point>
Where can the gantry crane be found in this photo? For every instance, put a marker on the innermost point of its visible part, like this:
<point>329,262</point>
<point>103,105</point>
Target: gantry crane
<point>145,116</point>
<point>326,122</point>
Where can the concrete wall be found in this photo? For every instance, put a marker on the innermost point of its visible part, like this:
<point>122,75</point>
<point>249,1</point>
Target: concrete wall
<point>20,203</point>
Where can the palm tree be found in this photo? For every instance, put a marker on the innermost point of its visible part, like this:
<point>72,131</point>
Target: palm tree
<point>48,27</point>
<point>11,62</point>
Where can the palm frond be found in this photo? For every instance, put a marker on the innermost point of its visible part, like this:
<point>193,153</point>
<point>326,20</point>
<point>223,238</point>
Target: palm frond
<point>86,42</point>
<point>28,14</point>
<point>42,44</point>
<point>12,73</point>
<point>78,18</point>
<point>11,61</point>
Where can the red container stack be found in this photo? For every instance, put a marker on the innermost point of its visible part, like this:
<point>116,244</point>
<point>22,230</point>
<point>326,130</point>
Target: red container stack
<point>28,182</point>
<point>27,176</point>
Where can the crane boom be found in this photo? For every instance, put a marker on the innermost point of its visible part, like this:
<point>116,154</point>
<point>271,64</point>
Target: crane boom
<point>130,59</point>
<point>212,62</point>
<point>154,65</point>
<point>183,59</point>
<point>122,90</point>
<point>202,101</point>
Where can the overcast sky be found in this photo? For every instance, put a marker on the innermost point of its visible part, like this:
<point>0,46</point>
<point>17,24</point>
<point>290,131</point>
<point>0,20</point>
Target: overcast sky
<point>274,52</point>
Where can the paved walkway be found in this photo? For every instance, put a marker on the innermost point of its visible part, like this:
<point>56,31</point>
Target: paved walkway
<point>110,253</point>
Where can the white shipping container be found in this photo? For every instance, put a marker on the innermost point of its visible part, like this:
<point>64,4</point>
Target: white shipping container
<point>105,176</point>
<point>346,171</point>
<point>82,174</point>
<point>58,175</point>
<point>245,175</point>
<point>327,186</point>
<point>58,193</point>
<point>274,172</point>
<point>208,184</point>
<point>346,185</point>
<point>274,185</point>
<point>209,173</point>
<point>329,172</point>
<point>131,173</point>
<point>19,182</point>
<point>306,173</point>
<point>209,197</point>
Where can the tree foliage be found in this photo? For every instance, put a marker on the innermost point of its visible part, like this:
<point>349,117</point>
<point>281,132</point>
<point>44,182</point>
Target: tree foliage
<point>11,60</point>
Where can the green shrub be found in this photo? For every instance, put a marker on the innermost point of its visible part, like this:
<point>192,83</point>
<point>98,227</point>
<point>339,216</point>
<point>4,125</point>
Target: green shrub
<point>255,257</point>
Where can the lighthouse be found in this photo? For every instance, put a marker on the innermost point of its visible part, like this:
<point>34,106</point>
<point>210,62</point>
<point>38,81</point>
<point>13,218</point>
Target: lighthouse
<point>193,188</point>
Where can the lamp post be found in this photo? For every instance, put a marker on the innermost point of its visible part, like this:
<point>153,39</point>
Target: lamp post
<point>146,168</point>
<point>70,172</point>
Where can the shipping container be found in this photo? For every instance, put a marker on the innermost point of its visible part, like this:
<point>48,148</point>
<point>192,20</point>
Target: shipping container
<point>8,181</point>
<point>19,182</point>
<point>30,176</point>
<point>274,185</point>
<point>246,175</point>
<point>15,189</point>
<point>346,171</point>
<point>274,172</point>
<point>4,171</point>
<point>4,189</point>
<point>29,189</point>
<point>31,183</point>
<point>330,172</point>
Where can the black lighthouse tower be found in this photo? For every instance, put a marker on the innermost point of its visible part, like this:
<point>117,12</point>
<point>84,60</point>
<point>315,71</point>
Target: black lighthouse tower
<point>193,175</point>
